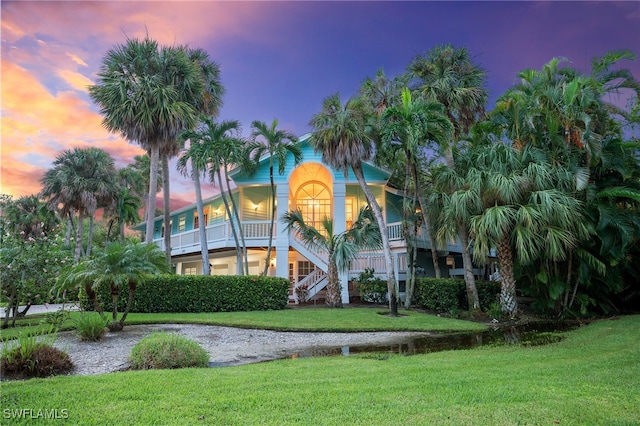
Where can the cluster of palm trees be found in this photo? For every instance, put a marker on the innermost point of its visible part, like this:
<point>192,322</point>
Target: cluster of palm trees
<point>548,182</point>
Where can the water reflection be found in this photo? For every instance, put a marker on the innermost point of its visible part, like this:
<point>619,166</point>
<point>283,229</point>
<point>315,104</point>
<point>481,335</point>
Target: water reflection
<point>526,335</point>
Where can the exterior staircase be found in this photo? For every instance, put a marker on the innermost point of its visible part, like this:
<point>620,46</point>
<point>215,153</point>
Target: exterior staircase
<point>316,281</point>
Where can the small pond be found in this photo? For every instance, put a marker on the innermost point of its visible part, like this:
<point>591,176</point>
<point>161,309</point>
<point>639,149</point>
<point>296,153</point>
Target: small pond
<point>526,335</point>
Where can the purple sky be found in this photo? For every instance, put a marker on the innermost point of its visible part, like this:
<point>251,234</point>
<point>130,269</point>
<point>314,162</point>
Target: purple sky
<point>278,59</point>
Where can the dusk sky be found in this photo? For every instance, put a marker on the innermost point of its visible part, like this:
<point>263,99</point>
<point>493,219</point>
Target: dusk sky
<point>278,59</point>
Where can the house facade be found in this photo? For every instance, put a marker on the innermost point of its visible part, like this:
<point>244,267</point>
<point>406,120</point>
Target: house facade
<point>318,191</point>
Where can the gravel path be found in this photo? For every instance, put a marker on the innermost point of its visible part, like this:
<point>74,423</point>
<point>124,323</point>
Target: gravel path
<point>225,345</point>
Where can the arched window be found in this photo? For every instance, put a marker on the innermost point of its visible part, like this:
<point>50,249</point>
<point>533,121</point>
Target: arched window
<point>314,201</point>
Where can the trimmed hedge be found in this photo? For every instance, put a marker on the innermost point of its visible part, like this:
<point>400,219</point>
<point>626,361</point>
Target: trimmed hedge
<point>198,293</point>
<point>450,294</point>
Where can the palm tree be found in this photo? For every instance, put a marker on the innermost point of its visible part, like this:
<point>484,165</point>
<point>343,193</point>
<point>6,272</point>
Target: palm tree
<point>449,76</point>
<point>141,167</point>
<point>147,94</point>
<point>278,144</point>
<point>214,147</point>
<point>526,211</point>
<point>118,266</point>
<point>208,104</point>
<point>341,248</point>
<point>415,124</point>
<point>340,134</point>
<point>80,182</point>
<point>197,154</point>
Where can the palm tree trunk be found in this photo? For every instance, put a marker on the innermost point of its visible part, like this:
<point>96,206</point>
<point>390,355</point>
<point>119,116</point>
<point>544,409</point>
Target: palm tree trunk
<point>467,264</point>
<point>236,215</point>
<point>132,289</point>
<point>153,188</point>
<point>508,301</point>
<point>427,222</point>
<point>234,232</point>
<point>166,207</point>
<point>90,235</point>
<point>67,238</point>
<point>273,221</point>
<point>392,284</point>
<point>91,294</point>
<point>204,249</point>
<point>334,299</point>
<point>78,252</point>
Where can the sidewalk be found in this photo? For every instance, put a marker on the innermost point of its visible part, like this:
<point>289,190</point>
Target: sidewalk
<point>43,309</point>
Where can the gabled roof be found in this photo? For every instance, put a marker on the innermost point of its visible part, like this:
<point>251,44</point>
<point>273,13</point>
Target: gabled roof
<point>373,173</point>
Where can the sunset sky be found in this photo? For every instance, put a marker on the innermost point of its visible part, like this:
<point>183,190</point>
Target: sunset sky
<point>278,59</point>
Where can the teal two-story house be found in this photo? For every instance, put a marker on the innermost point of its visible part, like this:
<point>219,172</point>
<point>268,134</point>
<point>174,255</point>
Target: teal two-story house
<point>318,191</point>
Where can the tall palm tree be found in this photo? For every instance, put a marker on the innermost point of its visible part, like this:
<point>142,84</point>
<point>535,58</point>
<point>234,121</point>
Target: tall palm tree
<point>142,168</point>
<point>340,134</point>
<point>278,144</point>
<point>146,92</point>
<point>341,248</point>
<point>208,104</point>
<point>214,147</point>
<point>449,75</point>
<point>80,182</point>
<point>119,265</point>
<point>418,125</point>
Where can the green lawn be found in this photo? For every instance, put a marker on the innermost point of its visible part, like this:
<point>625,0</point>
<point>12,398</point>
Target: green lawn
<point>590,378</point>
<point>308,319</point>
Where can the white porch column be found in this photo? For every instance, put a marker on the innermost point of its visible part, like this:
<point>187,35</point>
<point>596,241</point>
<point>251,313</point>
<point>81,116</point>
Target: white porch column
<point>339,226</point>
<point>282,237</point>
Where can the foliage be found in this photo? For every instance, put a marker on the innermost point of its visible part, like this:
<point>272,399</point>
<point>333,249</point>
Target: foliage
<point>118,266</point>
<point>90,326</point>
<point>439,294</point>
<point>29,267</point>
<point>167,350</point>
<point>449,294</point>
<point>302,293</point>
<point>371,288</point>
<point>195,293</point>
<point>33,356</point>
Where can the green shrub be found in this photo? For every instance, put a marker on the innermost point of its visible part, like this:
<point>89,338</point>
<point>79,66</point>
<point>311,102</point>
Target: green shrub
<point>90,326</point>
<point>167,350</point>
<point>33,356</point>
<point>371,288</point>
<point>439,294</point>
<point>197,293</point>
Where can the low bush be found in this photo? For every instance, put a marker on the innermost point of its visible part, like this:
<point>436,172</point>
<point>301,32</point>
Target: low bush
<point>33,356</point>
<point>450,294</point>
<point>197,293</point>
<point>439,294</point>
<point>167,350</point>
<point>371,288</point>
<point>90,326</point>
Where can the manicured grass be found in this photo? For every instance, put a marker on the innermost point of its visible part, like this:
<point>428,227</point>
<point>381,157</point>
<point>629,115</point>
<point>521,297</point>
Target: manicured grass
<point>591,378</point>
<point>30,325</point>
<point>308,319</point>
<point>316,319</point>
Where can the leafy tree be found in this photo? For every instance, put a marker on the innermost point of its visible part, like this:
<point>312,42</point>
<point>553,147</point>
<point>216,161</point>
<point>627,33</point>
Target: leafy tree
<point>119,266</point>
<point>147,93</point>
<point>278,144</point>
<point>340,134</point>
<point>341,248</point>
<point>32,252</point>
<point>80,181</point>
